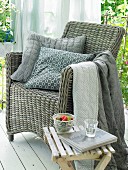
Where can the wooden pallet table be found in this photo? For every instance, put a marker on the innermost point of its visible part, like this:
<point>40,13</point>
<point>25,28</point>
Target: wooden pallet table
<point>63,154</point>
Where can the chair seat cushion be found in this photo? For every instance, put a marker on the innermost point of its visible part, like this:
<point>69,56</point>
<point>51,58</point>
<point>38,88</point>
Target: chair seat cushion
<point>47,69</point>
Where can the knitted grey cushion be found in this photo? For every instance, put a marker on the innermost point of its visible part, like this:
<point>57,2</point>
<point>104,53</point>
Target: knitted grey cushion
<point>32,49</point>
<point>47,69</point>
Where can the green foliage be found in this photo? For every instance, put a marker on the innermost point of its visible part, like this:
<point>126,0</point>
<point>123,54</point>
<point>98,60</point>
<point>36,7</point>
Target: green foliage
<point>116,10</point>
<point>6,33</point>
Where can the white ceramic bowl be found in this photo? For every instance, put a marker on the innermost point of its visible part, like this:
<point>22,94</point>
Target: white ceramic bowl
<point>63,126</point>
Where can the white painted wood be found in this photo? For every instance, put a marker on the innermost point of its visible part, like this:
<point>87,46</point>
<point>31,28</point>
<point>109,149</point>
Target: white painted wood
<point>105,150</point>
<point>30,160</point>
<point>1,166</point>
<point>110,148</point>
<point>8,157</point>
<point>41,150</point>
<point>68,149</point>
<point>99,152</point>
<point>51,143</point>
<point>57,141</point>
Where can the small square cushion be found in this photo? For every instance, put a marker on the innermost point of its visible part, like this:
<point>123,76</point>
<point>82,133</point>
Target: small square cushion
<point>32,49</point>
<point>47,69</point>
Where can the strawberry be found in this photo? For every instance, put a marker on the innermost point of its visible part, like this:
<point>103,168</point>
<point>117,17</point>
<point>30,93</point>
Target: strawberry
<point>65,118</point>
<point>62,117</point>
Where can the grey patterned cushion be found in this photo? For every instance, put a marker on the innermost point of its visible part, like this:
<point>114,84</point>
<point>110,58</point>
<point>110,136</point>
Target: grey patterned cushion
<point>47,69</point>
<point>32,49</point>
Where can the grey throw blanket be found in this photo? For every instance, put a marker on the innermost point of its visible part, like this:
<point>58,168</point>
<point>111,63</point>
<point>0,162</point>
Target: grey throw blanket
<point>111,111</point>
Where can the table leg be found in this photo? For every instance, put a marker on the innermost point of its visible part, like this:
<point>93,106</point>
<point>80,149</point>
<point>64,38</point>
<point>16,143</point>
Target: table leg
<point>64,164</point>
<point>104,161</point>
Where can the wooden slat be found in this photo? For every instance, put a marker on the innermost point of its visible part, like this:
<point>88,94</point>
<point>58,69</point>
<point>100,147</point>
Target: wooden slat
<point>58,143</point>
<point>104,149</point>
<point>93,151</point>
<point>99,152</point>
<point>68,148</point>
<point>103,161</point>
<point>51,143</point>
<point>110,148</point>
<point>84,156</point>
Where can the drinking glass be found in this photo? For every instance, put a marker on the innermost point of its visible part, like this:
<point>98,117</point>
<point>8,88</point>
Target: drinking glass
<point>90,127</point>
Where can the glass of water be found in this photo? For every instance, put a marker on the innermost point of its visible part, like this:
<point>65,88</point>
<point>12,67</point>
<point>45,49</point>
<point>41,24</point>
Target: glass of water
<point>90,127</point>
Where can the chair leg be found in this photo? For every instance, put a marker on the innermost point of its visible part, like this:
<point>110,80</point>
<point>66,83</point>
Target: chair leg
<point>11,138</point>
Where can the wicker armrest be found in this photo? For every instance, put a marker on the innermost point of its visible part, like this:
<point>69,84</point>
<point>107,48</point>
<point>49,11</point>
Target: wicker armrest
<point>65,91</point>
<point>13,60</point>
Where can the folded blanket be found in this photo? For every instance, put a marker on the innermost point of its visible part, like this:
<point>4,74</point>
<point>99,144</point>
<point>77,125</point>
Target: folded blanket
<point>85,99</point>
<point>111,110</point>
<point>85,91</point>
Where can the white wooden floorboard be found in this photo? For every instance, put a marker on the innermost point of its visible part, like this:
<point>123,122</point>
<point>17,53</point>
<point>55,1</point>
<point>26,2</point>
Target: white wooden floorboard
<point>27,156</point>
<point>1,167</point>
<point>30,160</point>
<point>27,151</point>
<point>8,157</point>
<point>33,152</point>
<point>41,149</point>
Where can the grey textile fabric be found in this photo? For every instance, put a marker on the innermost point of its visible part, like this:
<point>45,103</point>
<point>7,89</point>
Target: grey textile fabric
<point>32,49</point>
<point>47,69</point>
<point>111,111</point>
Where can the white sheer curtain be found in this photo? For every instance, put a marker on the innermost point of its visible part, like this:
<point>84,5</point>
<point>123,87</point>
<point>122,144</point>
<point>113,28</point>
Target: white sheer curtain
<point>85,10</point>
<point>49,17</point>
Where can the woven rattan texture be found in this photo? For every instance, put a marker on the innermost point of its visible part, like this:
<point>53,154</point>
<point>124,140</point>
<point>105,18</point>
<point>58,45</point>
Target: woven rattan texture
<point>27,109</point>
<point>31,110</point>
<point>99,37</point>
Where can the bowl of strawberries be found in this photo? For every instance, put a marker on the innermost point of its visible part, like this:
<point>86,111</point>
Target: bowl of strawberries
<point>63,122</point>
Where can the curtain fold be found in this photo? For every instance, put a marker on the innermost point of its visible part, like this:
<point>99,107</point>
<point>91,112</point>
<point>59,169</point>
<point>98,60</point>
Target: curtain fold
<point>49,17</point>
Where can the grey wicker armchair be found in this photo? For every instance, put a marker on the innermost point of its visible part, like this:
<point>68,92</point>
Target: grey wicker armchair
<point>32,109</point>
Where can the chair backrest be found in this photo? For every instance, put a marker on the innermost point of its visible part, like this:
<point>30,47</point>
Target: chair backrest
<point>99,37</point>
